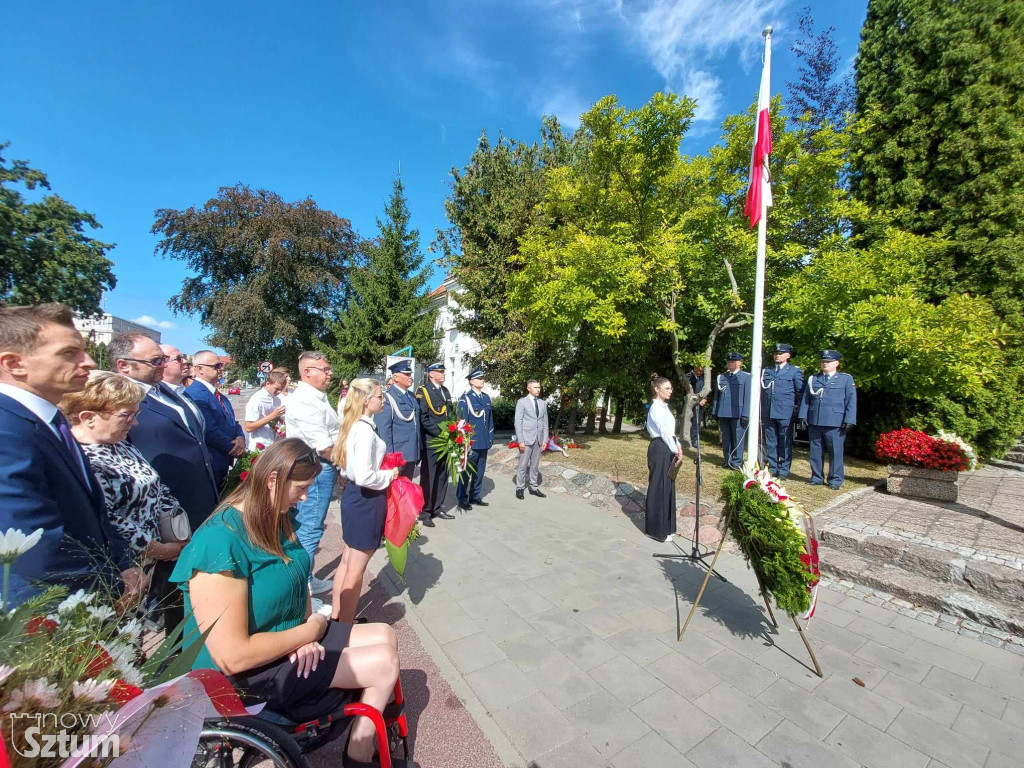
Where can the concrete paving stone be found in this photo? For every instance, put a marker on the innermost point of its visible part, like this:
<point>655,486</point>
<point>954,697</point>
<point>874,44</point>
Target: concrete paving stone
<point>996,760</point>
<point>447,622</point>
<point>505,624</point>
<point>938,741</point>
<point>789,745</point>
<point>576,598</point>
<point>842,664</point>
<point>901,663</point>
<point>608,725</point>
<point>694,646</point>
<point>500,685</point>
<point>997,735</point>
<point>564,683</point>
<point>790,663</point>
<point>927,632</point>
<point>827,594</point>
<point>651,619</point>
<point>469,654</point>
<point>684,676</point>
<point>944,657</point>
<point>602,621</point>
<point>998,678</point>
<point>870,747</point>
<point>966,692</point>
<point>626,680</point>
<point>747,718</point>
<point>741,672</point>
<point>524,600</point>
<point>530,651</point>
<point>880,633</point>
<point>586,650</point>
<point>555,623</point>
<point>748,645</point>
<point>534,726</point>
<point>986,653</point>
<point>650,750</point>
<point>678,721</point>
<point>573,754</point>
<point>840,637</point>
<point>924,701</point>
<point>842,692</point>
<point>1014,714</point>
<point>724,749</point>
<point>813,714</point>
<point>874,612</point>
<point>638,644</point>
<point>481,607</point>
<point>833,614</point>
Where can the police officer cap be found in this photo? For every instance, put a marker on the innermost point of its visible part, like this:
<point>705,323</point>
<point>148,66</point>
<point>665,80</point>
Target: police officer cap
<point>476,373</point>
<point>438,366</point>
<point>732,356</point>
<point>783,348</point>
<point>402,366</point>
<point>830,354</point>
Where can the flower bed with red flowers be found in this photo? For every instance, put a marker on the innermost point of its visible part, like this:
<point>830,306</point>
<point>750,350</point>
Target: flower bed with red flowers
<point>916,449</point>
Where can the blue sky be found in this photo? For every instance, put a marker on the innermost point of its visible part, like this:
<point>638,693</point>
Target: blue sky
<point>133,107</point>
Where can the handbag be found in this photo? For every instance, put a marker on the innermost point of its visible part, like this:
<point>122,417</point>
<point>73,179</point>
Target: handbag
<point>175,527</point>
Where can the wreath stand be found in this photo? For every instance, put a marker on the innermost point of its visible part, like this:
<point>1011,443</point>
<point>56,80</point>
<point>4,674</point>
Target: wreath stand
<point>764,597</point>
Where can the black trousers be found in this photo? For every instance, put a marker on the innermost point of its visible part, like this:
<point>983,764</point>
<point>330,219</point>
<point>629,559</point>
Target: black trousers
<point>433,481</point>
<point>660,520</point>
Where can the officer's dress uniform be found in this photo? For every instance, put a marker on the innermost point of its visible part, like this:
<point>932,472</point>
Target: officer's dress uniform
<point>436,407</point>
<point>781,388</point>
<point>829,404</point>
<point>732,408</point>
<point>476,408</point>
<point>398,424</point>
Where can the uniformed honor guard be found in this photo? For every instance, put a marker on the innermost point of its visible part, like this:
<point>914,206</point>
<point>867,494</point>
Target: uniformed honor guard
<point>781,388</point>
<point>828,408</point>
<point>475,407</point>
<point>436,407</point>
<point>398,422</point>
<point>732,408</point>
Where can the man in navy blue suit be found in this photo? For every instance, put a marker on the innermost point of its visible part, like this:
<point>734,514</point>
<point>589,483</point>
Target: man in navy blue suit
<point>475,407</point>
<point>398,422</point>
<point>224,436</point>
<point>828,408</point>
<point>781,388</point>
<point>732,409</point>
<point>45,479</point>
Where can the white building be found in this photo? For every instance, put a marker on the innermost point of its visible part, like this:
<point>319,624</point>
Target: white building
<point>458,350</point>
<point>102,329</point>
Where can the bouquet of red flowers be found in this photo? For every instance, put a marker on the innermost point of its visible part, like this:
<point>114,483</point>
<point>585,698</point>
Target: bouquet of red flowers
<point>916,449</point>
<point>452,445</point>
<point>405,502</point>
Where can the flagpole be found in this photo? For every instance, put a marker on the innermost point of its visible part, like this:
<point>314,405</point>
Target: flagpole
<point>753,426</point>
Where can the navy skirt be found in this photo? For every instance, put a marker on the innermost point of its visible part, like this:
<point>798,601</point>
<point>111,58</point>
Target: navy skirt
<point>363,512</point>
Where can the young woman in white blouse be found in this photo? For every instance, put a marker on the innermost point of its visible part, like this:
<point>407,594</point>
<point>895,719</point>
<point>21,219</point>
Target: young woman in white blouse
<point>664,453</point>
<point>364,508</point>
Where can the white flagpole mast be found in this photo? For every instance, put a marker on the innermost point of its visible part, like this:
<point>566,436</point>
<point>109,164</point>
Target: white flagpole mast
<point>754,425</point>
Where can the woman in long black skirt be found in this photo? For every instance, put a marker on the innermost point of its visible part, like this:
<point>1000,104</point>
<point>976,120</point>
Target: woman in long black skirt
<point>664,453</point>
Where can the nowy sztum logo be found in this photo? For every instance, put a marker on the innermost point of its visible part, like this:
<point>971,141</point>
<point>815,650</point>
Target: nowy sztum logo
<point>47,735</point>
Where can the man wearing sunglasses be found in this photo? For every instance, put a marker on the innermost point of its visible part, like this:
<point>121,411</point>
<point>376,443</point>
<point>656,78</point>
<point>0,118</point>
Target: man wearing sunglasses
<point>177,368</point>
<point>224,436</point>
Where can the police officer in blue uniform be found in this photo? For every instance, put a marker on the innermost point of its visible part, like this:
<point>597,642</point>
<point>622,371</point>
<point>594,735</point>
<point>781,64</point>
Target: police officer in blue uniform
<point>398,422</point>
<point>436,407</point>
<point>475,407</point>
<point>732,408</point>
<point>828,408</point>
<point>781,388</point>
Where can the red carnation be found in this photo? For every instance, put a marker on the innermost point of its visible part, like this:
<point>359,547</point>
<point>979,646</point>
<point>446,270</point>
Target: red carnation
<point>98,663</point>
<point>260,446</point>
<point>458,440</point>
<point>252,461</point>
<point>36,623</point>
<point>243,475</point>
<point>123,692</point>
<point>452,427</point>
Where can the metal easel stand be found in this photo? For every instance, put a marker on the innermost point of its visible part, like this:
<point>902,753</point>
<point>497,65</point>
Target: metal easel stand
<point>764,597</point>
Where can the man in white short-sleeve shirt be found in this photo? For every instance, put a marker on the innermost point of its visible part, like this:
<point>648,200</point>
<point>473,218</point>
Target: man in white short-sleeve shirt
<point>263,411</point>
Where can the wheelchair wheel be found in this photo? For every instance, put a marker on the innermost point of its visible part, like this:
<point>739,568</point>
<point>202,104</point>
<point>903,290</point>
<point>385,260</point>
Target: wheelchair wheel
<point>246,742</point>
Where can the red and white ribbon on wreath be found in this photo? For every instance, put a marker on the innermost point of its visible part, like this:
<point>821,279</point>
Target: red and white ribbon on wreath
<point>466,443</point>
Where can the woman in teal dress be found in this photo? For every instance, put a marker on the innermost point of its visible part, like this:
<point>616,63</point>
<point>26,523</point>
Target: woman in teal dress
<point>244,577</point>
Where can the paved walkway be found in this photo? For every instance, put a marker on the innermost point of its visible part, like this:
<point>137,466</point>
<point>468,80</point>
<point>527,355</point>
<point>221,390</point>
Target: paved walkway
<point>557,630</point>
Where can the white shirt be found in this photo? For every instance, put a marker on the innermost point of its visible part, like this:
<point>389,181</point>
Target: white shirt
<point>661,423</point>
<point>179,389</point>
<point>259,407</point>
<point>154,390</point>
<point>44,409</point>
<point>364,451</point>
<point>310,417</point>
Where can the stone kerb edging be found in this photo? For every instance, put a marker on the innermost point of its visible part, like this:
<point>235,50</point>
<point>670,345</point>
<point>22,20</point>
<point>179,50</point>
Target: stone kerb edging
<point>604,493</point>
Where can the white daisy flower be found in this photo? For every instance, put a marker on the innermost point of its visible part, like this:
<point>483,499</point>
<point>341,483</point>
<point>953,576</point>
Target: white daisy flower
<point>100,612</point>
<point>131,675</point>
<point>41,694</point>
<point>14,544</point>
<point>131,629</point>
<point>91,690</point>
<point>81,597</point>
<point>5,672</point>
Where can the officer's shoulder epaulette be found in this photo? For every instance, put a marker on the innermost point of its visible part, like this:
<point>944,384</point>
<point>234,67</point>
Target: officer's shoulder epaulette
<point>421,391</point>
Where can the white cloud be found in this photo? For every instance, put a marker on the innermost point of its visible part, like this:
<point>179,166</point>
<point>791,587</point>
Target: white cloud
<point>563,103</point>
<point>151,322</point>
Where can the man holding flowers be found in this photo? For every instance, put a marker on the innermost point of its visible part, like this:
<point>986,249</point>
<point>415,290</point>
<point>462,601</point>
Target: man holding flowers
<point>475,408</point>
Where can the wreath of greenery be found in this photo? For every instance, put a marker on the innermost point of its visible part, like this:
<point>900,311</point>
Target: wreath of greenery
<point>770,542</point>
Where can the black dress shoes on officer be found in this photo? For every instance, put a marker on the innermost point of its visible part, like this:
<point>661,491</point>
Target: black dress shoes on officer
<point>536,492</point>
<point>480,503</point>
<point>426,520</point>
<point>465,506</point>
<point>445,516</point>
<point>519,493</point>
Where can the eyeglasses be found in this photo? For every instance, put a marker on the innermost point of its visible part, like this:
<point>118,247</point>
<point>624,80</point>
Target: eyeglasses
<point>183,359</point>
<point>217,367</point>
<point>328,369</point>
<point>156,362</point>
<point>310,457</point>
<point>125,417</point>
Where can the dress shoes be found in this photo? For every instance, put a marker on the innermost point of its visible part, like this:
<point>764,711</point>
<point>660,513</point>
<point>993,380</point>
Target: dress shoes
<point>465,507</point>
<point>426,520</point>
<point>480,503</point>
<point>811,482</point>
<point>537,492</point>
<point>445,516</point>
<point>519,493</point>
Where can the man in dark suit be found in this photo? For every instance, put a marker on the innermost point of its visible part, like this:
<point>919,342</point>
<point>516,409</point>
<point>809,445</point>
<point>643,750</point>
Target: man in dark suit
<point>398,422</point>
<point>475,407</point>
<point>167,432</point>
<point>828,408</point>
<point>224,436</point>
<point>45,478</point>
<point>732,409</point>
<point>436,407</point>
<point>781,388</point>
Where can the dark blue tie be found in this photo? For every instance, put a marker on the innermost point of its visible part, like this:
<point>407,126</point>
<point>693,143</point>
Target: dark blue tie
<point>64,430</point>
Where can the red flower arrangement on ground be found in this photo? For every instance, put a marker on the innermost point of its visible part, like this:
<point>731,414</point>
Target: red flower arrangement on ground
<point>916,449</point>
<point>452,446</point>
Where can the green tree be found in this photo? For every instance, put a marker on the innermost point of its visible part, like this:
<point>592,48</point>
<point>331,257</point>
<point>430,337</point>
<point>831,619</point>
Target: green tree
<point>45,253</point>
<point>821,94</point>
<point>267,273</point>
<point>389,307</point>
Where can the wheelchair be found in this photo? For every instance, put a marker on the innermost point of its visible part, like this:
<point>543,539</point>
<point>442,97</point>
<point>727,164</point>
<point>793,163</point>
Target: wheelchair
<point>268,738</point>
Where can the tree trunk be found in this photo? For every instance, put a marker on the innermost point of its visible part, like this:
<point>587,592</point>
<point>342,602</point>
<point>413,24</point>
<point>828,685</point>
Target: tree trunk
<point>607,401</point>
<point>570,428</point>
<point>617,426</point>
<point>591,422</point>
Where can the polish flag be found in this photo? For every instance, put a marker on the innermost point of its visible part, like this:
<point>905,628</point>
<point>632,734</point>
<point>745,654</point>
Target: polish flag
<point>759,194</point>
